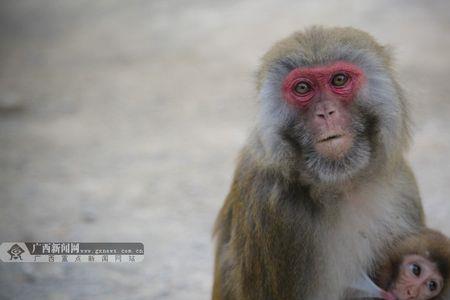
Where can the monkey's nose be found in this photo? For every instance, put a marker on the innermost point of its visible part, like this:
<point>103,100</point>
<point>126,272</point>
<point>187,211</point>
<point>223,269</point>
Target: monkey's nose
<point>412,291</point>
<point>326,114</point>
<point>325,111</point>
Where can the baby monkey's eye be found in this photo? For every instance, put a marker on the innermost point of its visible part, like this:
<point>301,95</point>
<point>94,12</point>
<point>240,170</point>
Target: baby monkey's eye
<point>339,79</point>
<point>432,285</point>
<point>302,87</point>
<point>415,269</point>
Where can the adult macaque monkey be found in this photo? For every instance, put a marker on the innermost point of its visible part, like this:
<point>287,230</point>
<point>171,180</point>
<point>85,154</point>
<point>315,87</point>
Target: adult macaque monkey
<point>321,188</point>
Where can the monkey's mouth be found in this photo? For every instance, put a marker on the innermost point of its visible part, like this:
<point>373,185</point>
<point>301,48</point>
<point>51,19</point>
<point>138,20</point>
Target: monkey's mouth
<point>334,145</point>
<point>389,295</point>
<point>330,138</point>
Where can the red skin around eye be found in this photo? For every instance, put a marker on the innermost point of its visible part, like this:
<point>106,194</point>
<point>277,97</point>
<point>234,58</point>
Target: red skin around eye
<point>319,78</point>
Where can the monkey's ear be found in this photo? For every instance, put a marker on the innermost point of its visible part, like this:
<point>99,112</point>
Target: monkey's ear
<point>385,274</point>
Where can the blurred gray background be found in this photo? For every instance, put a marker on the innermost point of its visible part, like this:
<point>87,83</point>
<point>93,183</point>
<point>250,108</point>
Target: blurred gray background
<point>121,120</point>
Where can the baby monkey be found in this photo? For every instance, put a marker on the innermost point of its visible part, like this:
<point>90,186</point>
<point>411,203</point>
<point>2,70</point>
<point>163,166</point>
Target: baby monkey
<point>416,269</point>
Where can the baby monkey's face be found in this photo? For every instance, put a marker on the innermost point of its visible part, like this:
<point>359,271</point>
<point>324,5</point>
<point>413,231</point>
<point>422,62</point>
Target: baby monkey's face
<point>418,279</point>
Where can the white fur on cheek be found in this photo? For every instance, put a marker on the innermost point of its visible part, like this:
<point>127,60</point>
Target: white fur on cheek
<point>275,113</point>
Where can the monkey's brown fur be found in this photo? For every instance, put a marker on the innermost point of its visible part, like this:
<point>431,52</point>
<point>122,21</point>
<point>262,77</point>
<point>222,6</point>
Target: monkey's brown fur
<point>283,233</point>
<point>430,244</point>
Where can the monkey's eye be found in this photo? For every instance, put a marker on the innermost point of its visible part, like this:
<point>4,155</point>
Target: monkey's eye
<point>302,87</point>
<point>339,79</point>
<point>415,269</point>
<point>432,285</point>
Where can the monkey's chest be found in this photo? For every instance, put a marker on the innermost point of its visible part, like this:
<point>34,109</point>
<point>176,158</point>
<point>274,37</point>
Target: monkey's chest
<point>353,242</point>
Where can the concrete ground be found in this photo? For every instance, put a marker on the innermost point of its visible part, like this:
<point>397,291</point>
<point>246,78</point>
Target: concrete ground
<point>120,121</point>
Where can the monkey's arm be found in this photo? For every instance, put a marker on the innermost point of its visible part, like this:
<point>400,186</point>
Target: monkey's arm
<point>227,280</point>
<point>265,247</point>
<point>222,233</point>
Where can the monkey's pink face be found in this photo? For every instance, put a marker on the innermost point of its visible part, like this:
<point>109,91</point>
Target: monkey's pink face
<point>418,279</point>
<point>323,94</point>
